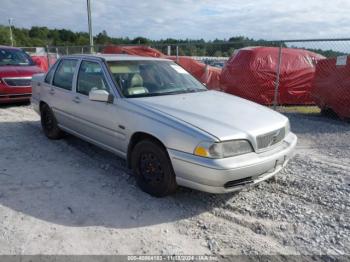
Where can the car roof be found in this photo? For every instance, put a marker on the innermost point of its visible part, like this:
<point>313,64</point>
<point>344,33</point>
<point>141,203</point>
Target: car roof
<point>117,57</point>
<point>9,47</point>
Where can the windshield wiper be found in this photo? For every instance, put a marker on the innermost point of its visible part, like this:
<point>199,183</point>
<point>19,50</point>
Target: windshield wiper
<point>174,92</point>
<point>195,90</point>
<point>183,91</point>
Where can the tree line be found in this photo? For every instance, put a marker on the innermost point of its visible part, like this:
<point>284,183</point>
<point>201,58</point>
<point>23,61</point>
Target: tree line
<point>43,36</point>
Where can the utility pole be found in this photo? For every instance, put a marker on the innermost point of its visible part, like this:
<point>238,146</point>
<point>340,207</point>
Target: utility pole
<point>10,26</point>
<point>90,26</point>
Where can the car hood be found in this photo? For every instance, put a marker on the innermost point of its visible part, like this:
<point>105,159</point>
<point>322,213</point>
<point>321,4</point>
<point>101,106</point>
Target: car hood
<point>222,115</point>
<point>14,71</point>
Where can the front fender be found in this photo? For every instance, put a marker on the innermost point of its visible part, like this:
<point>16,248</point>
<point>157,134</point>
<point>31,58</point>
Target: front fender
<point>173,133</point>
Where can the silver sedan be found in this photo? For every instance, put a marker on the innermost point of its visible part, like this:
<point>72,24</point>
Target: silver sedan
<point>167,125</point>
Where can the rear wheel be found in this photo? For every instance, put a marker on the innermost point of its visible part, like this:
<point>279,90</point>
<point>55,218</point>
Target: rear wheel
<point>49,123</point>
<point>152,168</point>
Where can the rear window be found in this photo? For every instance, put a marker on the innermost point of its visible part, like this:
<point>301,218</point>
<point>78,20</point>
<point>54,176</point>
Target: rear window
<point>14,57</point>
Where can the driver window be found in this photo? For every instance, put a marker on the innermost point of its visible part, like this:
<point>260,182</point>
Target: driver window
<point>91,77</point>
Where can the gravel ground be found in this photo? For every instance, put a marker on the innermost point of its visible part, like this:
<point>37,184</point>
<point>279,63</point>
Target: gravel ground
<point>69,197</point>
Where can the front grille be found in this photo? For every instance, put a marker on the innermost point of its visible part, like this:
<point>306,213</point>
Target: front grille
<point>270,139</point>
<point>18,81</point>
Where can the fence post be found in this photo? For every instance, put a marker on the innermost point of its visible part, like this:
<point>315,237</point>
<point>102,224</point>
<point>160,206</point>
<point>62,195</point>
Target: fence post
<point>169,50</point>
<point>278,72</point>
<point>48,55</point>
<point>67,52</point>
<point>177,54</point>
<point>206,73</point>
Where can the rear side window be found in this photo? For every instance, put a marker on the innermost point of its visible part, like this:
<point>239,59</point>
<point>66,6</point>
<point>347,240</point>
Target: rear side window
<point>49,75</point>
<point>91,77</point>
<point>64,74</point>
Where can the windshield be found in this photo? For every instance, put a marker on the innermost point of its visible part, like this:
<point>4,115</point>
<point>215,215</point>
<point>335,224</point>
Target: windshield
<point>153,78</point>
<point>14,57</point>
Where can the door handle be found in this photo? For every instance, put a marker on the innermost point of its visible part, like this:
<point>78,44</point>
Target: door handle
<point>76,99</point>
<point>52,91</point>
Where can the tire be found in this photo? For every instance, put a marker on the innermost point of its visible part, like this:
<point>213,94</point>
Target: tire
<point>49,123</point>
<point>26,102</point>
<point>328,112</point>
<point>152,168</point>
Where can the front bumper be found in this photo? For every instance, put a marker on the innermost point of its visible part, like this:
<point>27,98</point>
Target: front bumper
<point>10,98</point>
<point>230,174</point>
<point>14,94</point>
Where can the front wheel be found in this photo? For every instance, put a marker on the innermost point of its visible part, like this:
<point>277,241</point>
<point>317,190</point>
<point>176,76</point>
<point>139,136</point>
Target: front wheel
<point>49,123</point>
<point>152,168</point>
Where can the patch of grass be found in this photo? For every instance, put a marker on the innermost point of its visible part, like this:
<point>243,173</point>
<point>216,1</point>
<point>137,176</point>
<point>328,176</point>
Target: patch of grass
<point>299,109</point>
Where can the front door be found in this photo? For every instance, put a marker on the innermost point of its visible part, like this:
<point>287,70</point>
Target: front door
<point>96,121</point>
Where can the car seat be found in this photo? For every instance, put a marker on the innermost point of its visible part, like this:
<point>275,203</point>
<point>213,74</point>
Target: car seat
<point>136,86</point>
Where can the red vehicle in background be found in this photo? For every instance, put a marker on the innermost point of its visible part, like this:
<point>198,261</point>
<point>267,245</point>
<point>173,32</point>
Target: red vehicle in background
<point>16,71</point>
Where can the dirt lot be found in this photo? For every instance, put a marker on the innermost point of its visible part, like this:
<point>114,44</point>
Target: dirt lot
<point>69,197</point>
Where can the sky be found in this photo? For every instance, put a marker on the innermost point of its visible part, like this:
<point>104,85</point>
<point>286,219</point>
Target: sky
<point>194,19</point>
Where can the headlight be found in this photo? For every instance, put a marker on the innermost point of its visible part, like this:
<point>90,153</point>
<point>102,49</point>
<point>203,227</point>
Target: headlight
<point>223,149</point>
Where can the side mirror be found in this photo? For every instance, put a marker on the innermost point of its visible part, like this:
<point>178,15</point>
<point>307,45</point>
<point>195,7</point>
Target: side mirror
<point>101,96</point>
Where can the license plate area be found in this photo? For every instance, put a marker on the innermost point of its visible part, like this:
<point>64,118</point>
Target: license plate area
<point>280,162</point>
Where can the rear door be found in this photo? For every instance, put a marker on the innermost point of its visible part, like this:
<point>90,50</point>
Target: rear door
<point>61,92</point>
<point>40,90</point>
<point>96,121</point>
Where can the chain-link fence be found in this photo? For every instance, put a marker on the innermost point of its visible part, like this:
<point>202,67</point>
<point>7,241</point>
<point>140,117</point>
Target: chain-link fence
<point>308,76</point>
<point>328,87</point>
